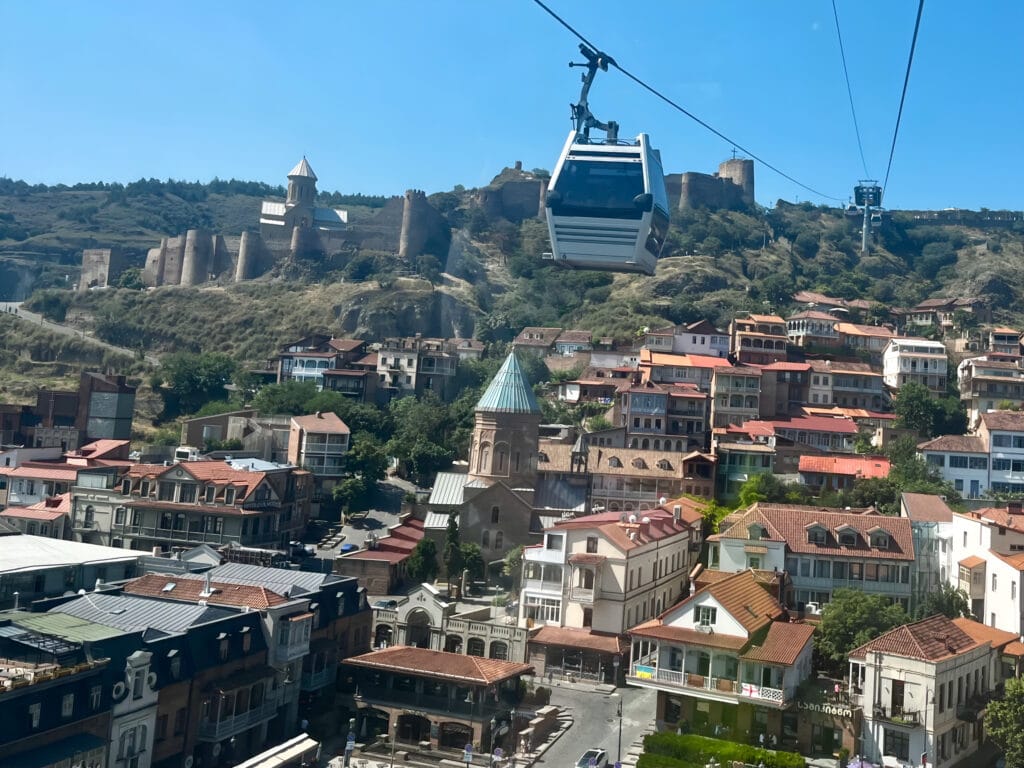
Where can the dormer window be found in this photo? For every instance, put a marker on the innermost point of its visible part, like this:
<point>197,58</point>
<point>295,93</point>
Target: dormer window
<point>848,539</point>
<point>817,535</point>
<point>756,532</point>
<point>229,495</point>
<point>126,486</point>
<point>880,540</point>
<point>211,492</point>
<point>639,463</point>
<point>613,461</point>
<point>664,464</point>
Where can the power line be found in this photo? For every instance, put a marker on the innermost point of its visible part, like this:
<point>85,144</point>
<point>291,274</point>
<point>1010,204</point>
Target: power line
<point>903,96</point>
<point>849,90</point>
<point>680,108</point>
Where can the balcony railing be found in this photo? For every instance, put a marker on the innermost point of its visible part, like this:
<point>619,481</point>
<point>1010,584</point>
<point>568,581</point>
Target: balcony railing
<point>581,595</point>
<point>543,585</point>
<point>292,651</point>
<point>898,715</point>
<point>642,673</point>
<point>226,727</point>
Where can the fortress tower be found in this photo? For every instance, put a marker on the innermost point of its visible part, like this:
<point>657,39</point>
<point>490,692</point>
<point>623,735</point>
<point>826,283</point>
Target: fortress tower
<point>507,423</point>
<point>741,173</point>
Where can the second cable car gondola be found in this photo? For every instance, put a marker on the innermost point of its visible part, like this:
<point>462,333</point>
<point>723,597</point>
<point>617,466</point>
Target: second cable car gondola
<point>606,205</point>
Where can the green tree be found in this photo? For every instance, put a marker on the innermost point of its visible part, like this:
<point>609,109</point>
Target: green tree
<point>192,380</point>
<point>473,561</point>
<point>131,279</point>
<point>367,457</point>
<point>851,619</point>
<point>513,565</point>
<point>453,560</point>
<point>947,600</point>
<point>767,487</point>
<point>598,423</point>
<point>422,563</point>
<point>1003,719</point>
<point>422,438</point>
<point>289,398</point>
<point>916,409</point>
<point>353,494</point>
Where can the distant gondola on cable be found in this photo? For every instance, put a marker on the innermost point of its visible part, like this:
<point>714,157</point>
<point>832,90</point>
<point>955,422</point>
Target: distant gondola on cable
<point>606,205</point>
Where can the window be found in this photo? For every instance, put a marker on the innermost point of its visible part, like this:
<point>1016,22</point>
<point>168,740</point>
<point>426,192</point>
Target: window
<point>223,649</point>
<point>495,513</point>
<point>897,744</point>
<point>978,462</point>
<point>1001,441</point>
<point>144,488</point>
<point>179,722</point>
<point>993,582</point>
<point>137,680</point>
<point>941,699</point>
<point>229,495</point>
<point>1001,465</point>
<point>188,493</point>
<point>119,515</point>
<point>165,492</point>
<point>211,492</point>
<point>706,615</point>
<point>816,536</point>
<point>67,705</point>
<point>958,462</point>
<point>553,542</point>
<point>485,539</point>
<point>126,486</point>
<point>161,728</point>
<point>499,540</point>
<point>592,544</point>
<point>34,710</point>
<point>936,459</point>
<point>95,695</point>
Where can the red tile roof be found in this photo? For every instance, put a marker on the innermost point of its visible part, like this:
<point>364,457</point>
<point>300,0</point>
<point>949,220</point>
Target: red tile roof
<point>972,562</point>
<point>782,645</point>
<point>688,636</point>
<point>586,639</point>
<point>957,443</point>
<point>1006,421</point>
<point>931,639</point>
<point>345,345</point>
<point>318,423</point>
<point>840,424</point>
<point>1000,516</point>
<point>102,449</point>
<point>47,510</point>
<point>1015,560</point>
<point>789,523</point>
<point>218,473</point>
<point>422,662</point>
<point>982,633</point>
<point>926,508</point>
<point>848,466</point>
<point>189,589</point>
<point>661,525</point>
<point>59,472</point>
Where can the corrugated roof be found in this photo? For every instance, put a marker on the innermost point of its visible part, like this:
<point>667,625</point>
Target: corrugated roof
<point>436,520</point>
<point>509,391</point>
<point>447,490</point>
<point>141,613</point>
<point>851,466</point>
<point>273,578</point>
<point>440,664</point>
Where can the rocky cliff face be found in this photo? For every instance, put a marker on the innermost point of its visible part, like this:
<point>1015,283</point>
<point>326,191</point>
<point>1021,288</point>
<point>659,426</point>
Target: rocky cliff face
<point>406,313</point>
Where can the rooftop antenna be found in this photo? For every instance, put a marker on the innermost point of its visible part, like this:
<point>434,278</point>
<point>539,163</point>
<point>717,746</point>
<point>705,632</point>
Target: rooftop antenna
<point>582,117</point>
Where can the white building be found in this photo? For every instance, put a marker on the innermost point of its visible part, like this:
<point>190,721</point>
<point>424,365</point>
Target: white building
<point>986,383</point>
<point>923,688</point>
<point>596,576</point>
<point>821,549</point>
<point>723,658</point>
<point>921,361</point>
<point>991,461</point>
<point>988,549</point>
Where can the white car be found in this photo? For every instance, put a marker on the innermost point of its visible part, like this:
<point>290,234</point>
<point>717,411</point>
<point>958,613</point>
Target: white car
<point>593,758</point>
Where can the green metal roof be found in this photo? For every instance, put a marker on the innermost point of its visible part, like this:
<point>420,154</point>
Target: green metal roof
<point>509,391</point>
<point>63,625</point>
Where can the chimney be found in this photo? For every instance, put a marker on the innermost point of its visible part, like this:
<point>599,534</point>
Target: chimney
<point>319,415</point>
<point>677,512</point>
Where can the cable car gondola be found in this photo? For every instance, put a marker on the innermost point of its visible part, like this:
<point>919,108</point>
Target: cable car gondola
<point>606,206</point>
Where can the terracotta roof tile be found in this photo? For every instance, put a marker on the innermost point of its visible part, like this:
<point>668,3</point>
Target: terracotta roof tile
<point>1015,560</point>
<point>926,508</point>
<point>188,589</point>
<point>982,633</point>
<point>931,639</point>
<point>789,523</point>
<point>1008,421</point>
<point>687,636</point>
<point>957,443</point>
<point>972,562</point>
<point>851,466</point>
<point>783,643</point>
<point>1000,516</point>
<point>422,662</point>
<point>327,422</point>
<point>660,526</point>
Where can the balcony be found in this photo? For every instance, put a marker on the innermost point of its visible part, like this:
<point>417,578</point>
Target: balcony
<point>705,686</point>
<point>543,585</point>
<point>898,716</point>
<point>292,651</point>
<point>581,595</point>
<point>314,681</point>
<point>226,727</point>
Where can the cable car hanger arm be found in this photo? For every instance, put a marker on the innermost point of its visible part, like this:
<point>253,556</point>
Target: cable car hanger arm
<point>582,117</point>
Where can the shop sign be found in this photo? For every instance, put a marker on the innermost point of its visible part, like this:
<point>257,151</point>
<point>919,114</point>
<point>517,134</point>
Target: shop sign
<point>826,709</point>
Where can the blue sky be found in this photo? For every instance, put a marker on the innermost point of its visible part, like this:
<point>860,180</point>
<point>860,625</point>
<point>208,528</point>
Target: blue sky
<point>385,96</point>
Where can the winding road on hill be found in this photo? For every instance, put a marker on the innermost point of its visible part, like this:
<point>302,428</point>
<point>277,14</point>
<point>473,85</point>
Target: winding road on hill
<point>15,308</point>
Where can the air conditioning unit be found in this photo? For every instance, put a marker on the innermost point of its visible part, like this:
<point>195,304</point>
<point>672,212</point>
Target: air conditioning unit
<point>813,608</point>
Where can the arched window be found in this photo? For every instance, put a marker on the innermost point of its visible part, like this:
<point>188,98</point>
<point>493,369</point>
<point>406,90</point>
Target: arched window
<point>499,650</point>
<point>475,647</point>
<point>485,539</point>
<point>657,444</point>
<point>499,538</point>
<point>484,456</point>
<point>645,444</point>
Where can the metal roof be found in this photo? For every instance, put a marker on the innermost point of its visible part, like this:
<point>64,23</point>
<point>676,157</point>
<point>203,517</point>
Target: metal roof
<point>447,490</point>
<point>272,578</point>
<point>141,613</point>
<point>271,208</point>
<point>509,391</point>
<point>25,553</point>
<point>436,520</point>
<point>302,169</point>
<point>63,625</point>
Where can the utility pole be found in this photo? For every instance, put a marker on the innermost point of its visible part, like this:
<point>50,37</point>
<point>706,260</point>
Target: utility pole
<point>865,228</point>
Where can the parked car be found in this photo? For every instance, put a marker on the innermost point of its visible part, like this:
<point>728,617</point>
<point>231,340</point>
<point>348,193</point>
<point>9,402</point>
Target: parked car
<point>593,758</point>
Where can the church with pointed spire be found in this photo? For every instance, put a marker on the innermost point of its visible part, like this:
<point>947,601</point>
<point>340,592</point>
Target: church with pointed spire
<point>299,210</point>
<point>494,498</point>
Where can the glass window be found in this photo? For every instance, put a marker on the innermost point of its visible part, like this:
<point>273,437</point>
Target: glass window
<point>608,188</point>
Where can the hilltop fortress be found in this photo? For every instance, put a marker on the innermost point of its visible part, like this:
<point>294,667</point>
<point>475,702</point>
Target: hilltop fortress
<point>407,225</point>
<point>295,228</point>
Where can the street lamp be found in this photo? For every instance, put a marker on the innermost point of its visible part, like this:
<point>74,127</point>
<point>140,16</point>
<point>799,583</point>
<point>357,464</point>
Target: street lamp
<point>618,751</point>
<point>394,740</point>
